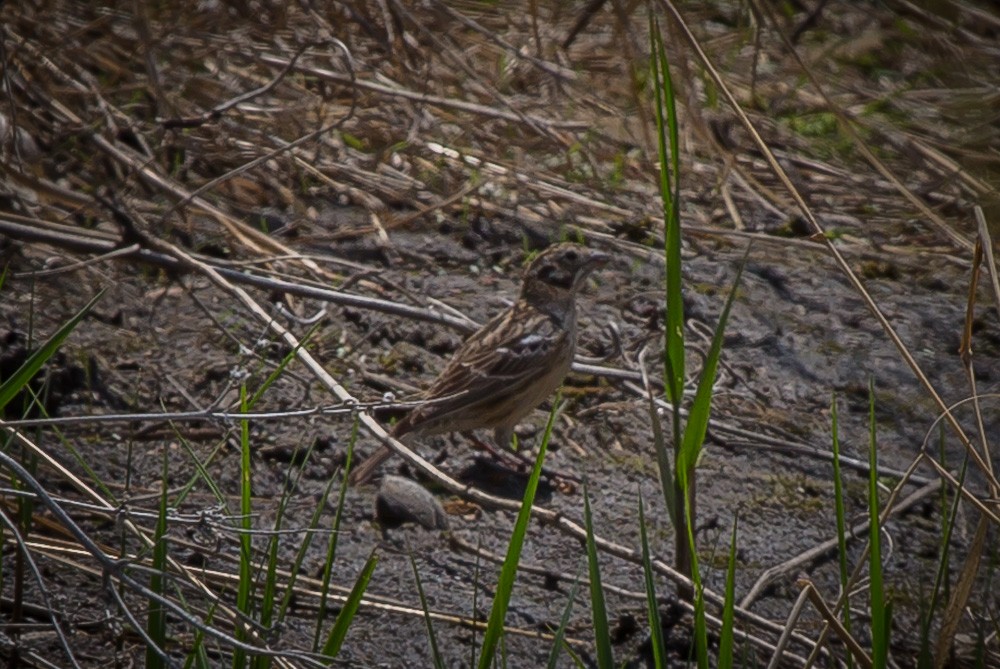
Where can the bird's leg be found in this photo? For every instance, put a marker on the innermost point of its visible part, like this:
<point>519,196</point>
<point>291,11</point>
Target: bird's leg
<point>505,456</point>
<point>519,460</point>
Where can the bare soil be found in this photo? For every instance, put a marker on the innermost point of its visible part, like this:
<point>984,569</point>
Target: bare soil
<point>456,153</point>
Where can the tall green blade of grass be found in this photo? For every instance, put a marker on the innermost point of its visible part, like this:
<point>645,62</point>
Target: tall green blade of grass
<point>245,586</point>
<point>508,574</point>
<point>268,599</point>
<point>666,124</point>
<point>331,545</point>
<point>9,389</point>
<point>598,608</point>
<point>431,636</point>
<point>20,378</point>
<point>701,407</point>
<point>652,604</point>
<point>272,604</point>
<point>503,663</point>
<point>156,618</point>
<point>300,555</point>
<point>277,371</point>
<point>197,653</point>
<point>941,590</point>
<point>687,459</point>
<point>335,640</point>
<point>559,639</point>
<point>307,535</point>
<point>681,483</point>
<point>725,660</point>
<point>879,610</point>
<point>201,471</point>
<point>673,354</point>
<point>700,624</point>
<point>270,607</point>
<point>268,595</point>
<point>838,499</point>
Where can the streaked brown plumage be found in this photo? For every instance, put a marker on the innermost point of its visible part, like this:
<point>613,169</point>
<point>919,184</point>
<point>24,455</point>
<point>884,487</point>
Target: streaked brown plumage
<point>511,364</point>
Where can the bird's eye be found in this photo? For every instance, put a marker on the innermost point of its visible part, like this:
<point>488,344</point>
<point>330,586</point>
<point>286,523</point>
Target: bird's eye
<point>572,256</point>
<point>556,276</point>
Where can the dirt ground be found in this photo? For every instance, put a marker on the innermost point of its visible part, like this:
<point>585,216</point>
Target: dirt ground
<point>470,137</point>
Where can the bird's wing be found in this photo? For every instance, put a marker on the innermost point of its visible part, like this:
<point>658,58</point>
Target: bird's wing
<point>522,347</point>
<point>502,360</point>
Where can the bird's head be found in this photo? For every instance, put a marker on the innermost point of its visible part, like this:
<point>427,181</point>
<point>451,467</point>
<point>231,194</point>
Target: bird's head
<point>558,272</point>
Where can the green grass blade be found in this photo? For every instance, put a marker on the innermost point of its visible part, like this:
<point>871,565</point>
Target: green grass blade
<point>652,604</point>
<point>665,110</point>
<point>598,607</point>
<point>273,376</point>
<point>346,616</point>
<point>560,636</point>
<point>727,634</point>
<point>273,605</point>
<point>20,378</point>
<point>331,545</point>
<point>270,607</point>
<point>838,498</point>
<point>197,654</point>
<point>700,624</point>
<point>300,555</point>
<point>701,407</point>
<point>666,125</point>
<point>508,574</point>
<point>577,660</point>
<point>941,584</point>
<point>431,636</point>
<point>201,471</point>
<point>245,587</point>
<point>879,611</point>
<point>156,618</point>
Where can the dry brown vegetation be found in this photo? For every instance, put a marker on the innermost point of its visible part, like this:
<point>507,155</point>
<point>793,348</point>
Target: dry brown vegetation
<point>385,166</point>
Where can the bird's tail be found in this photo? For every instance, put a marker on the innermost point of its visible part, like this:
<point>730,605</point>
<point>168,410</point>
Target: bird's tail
<point>364,472</point>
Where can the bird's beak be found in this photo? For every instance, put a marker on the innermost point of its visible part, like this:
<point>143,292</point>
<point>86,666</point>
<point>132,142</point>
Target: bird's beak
<point>597,259</point>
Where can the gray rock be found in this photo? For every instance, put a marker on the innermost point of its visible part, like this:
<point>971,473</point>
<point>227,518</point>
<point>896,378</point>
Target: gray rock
<point>401,500</point>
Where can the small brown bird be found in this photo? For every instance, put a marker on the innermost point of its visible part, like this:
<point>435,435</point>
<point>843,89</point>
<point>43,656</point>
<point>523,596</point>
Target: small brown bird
<point>508,367</point>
